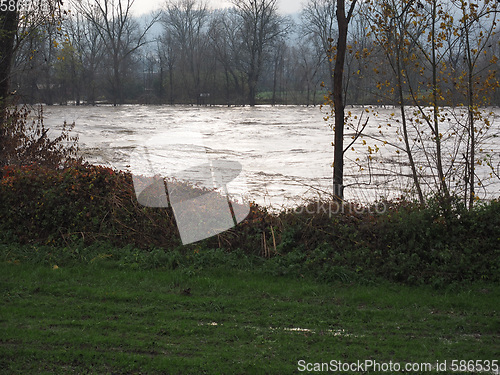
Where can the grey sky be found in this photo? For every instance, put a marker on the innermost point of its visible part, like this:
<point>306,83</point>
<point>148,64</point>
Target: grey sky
<point>285,6</point>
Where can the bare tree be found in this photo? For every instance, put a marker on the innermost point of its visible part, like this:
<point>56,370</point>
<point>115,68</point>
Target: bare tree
<point>18,22</point>
<point>168,58</point>
<point>89,47</point>
<point>185,23</point>
<point>308,65</point>
<point>120,33</point>
<point>224,26</point>
<point>392,21</point>
<point>319,25</point>
<point>12,19</point>
<point>479,21</point>
<point>260,26</point>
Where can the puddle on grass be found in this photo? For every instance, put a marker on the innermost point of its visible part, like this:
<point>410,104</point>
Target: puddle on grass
<point>333,332</point>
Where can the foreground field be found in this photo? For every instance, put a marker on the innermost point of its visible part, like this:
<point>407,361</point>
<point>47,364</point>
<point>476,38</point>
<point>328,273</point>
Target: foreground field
<point>102,317</point>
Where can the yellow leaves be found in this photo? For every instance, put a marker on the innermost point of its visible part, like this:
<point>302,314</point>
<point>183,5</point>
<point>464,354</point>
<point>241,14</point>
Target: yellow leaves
<point>373,150</point>
<point>55,267</point>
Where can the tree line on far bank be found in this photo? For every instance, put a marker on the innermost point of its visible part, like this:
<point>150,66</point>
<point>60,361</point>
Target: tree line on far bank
<point>187,53</point>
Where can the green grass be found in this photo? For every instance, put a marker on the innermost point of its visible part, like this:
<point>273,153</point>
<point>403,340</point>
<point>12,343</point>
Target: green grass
<point>104,317</point>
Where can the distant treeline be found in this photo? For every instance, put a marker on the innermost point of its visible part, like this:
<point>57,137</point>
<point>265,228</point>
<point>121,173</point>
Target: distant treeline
<point>245,55</point>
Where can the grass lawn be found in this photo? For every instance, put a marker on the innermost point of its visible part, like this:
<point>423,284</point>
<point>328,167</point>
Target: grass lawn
<point>103,318</point>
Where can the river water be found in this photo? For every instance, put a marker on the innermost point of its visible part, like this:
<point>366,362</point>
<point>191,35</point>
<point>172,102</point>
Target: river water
<point>285,152</point>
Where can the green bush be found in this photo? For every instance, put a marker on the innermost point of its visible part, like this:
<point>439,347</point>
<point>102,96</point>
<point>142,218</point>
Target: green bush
<point>79,203</point>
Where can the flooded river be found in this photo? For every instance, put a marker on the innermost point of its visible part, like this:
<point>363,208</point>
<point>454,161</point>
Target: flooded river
<point>285,153</point>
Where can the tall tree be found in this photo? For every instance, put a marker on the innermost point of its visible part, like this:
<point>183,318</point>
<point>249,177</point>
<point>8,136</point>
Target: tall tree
<point>120,33</point>
<point>89,47</point>
<point>184,24</point>
<point>393,20</point>
<point>18,12</point>
<point>340,50</point>
<point>8,21</point>
<point>29,13</point>
<point>223,28</point>
<point>479,21</point>
<point>260,26</point>
<point>319,25</point>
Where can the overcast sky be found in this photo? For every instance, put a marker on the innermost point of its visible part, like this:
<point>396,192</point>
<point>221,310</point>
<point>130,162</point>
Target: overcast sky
<point>285,6</point>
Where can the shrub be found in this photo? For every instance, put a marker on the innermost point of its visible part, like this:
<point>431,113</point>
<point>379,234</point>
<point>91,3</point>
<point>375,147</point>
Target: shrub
<point>80,202</point>
<point>25,140</point>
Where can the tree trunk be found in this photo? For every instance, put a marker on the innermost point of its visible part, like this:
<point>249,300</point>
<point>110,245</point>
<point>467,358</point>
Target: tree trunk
<point>338,100</point>
<point>399,72</point>
<point>472,131</point>
<point>435,98</point>
<point>252,92</point>
<point>8,20</point>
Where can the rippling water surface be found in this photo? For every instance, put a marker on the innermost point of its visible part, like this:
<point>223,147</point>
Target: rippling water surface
<point>286,153</point>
